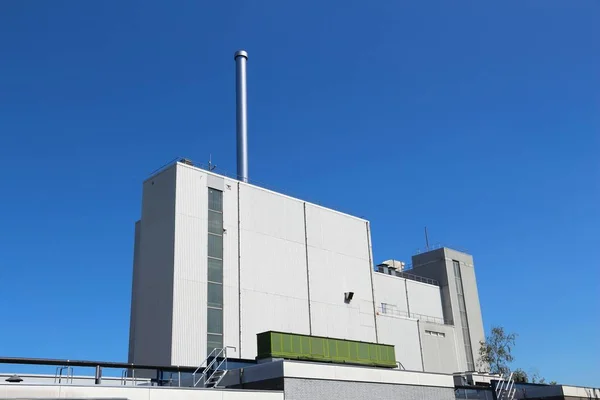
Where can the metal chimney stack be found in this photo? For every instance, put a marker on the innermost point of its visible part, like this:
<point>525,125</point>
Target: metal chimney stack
<point>241,57</point>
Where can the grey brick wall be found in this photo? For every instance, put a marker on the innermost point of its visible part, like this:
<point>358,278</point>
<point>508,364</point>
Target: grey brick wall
<point>313,389</point>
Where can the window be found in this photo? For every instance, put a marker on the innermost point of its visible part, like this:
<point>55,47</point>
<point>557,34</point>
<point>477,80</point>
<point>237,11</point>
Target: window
<point>215,321</point>
<point>215,246</point>
<point>214,286</point>
<point>383,308</point>
<point>215,200</point>
<point>215,295</point>
<point>215,222</point>
<point>434,333</point>
<point>215,270</point>
<point>213,342</point>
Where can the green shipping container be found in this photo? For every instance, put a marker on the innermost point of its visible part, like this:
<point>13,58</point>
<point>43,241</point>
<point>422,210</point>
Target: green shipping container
<point>315,348</point>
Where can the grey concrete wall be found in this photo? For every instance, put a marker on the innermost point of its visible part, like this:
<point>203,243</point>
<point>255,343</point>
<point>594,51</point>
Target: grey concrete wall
<point>431,265</point>
<point>313,389</point>
<point>438,264</point>
<point>153,277</point>
<point>439,353</point>
<point>471,295</point>
<point>473,307</point>
<point>134,284</point>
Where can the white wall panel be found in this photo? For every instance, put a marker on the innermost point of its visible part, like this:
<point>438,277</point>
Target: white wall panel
<point>231,313</point>
<point>390,290</point>
<point>192,195</point>
<point>336,270</point>
<point>154,302</point>
<point>189,323</point>
<point>293,369</point>
<point>267,311</point>
<point>273,265</point>
<point>271,214</point>
<point>132,393</point>
<point>403,334</point>
<point>439,352</point>
<point>336,232</point>
<point>424,299</point>
<point>190,267</point>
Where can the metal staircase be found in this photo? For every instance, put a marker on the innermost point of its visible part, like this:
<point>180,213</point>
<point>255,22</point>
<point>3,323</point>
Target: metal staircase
<point>505,388</point>
<point>212,370</point>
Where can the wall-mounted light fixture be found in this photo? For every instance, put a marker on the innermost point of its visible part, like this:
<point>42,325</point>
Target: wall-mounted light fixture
<point>348,297</point>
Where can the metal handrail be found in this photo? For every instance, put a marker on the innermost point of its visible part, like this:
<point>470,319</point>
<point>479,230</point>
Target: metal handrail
<point>202,367</point>
<point>505,389</point>
<point>216,356</point>
<point>58,377</point>
<point>421,317</point>
<point>406,275</point>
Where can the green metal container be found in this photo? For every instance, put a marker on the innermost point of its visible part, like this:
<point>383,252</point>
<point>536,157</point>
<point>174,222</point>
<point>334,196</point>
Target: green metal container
<point>315,348</point>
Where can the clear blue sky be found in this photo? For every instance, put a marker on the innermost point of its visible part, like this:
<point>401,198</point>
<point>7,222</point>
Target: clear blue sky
<point>478,119</point>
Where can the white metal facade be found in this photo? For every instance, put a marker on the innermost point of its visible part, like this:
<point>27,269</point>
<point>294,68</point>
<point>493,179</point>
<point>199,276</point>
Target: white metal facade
<point>287,265</point>
<point>25,391</point>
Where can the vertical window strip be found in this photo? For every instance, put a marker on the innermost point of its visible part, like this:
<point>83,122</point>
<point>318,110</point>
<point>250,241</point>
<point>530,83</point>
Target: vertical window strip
<point>214,312</point>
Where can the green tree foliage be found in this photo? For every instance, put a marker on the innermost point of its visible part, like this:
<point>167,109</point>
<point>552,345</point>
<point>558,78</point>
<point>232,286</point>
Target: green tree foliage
<point>520,376</point>
<point>495,353</point>
<point>536,378</point>
<point>495,356</point>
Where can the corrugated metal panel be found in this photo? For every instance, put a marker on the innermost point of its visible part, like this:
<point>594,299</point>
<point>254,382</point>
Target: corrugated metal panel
<point>338,258</point>
<point>336,232</point>
<point>189,300</point>
<point>404,335</point>
<point>424,299</point>
<point>154,294</point>
<point>266,311</point>
<point>439,351</point>
<point>231,315</point>
<point>273,265</point>
<point>189,323</point>
<point>270,214</point>
<point>390,290</point>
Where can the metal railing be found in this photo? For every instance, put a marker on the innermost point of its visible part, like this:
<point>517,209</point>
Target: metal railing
<point>401,274</point>
<point>505,388</point>
<point>395,312</point>
<point>211,370</point>
<point>65,375</point>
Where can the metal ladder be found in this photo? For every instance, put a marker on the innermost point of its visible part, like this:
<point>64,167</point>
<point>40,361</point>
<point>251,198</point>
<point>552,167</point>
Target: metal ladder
<point>212,369</point>
<point>505,388</point>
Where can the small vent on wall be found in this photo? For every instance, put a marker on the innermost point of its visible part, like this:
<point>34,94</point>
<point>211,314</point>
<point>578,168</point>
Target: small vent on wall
<point>434,333</point>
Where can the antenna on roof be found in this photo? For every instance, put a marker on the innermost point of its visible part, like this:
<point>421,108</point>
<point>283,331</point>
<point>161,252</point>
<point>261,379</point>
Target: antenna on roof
<point>426,240</point>
<point>211,166</point>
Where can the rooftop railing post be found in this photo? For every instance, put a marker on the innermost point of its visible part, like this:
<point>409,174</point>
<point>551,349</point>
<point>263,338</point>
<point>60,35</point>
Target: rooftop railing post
<point>98,376</point>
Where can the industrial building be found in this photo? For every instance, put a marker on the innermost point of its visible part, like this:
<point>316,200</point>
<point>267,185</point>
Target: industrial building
<point>218,261</point>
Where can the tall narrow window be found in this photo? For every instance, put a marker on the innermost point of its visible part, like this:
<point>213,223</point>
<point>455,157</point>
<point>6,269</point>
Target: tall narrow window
<point>463,316</point>
<point>214,288</point>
